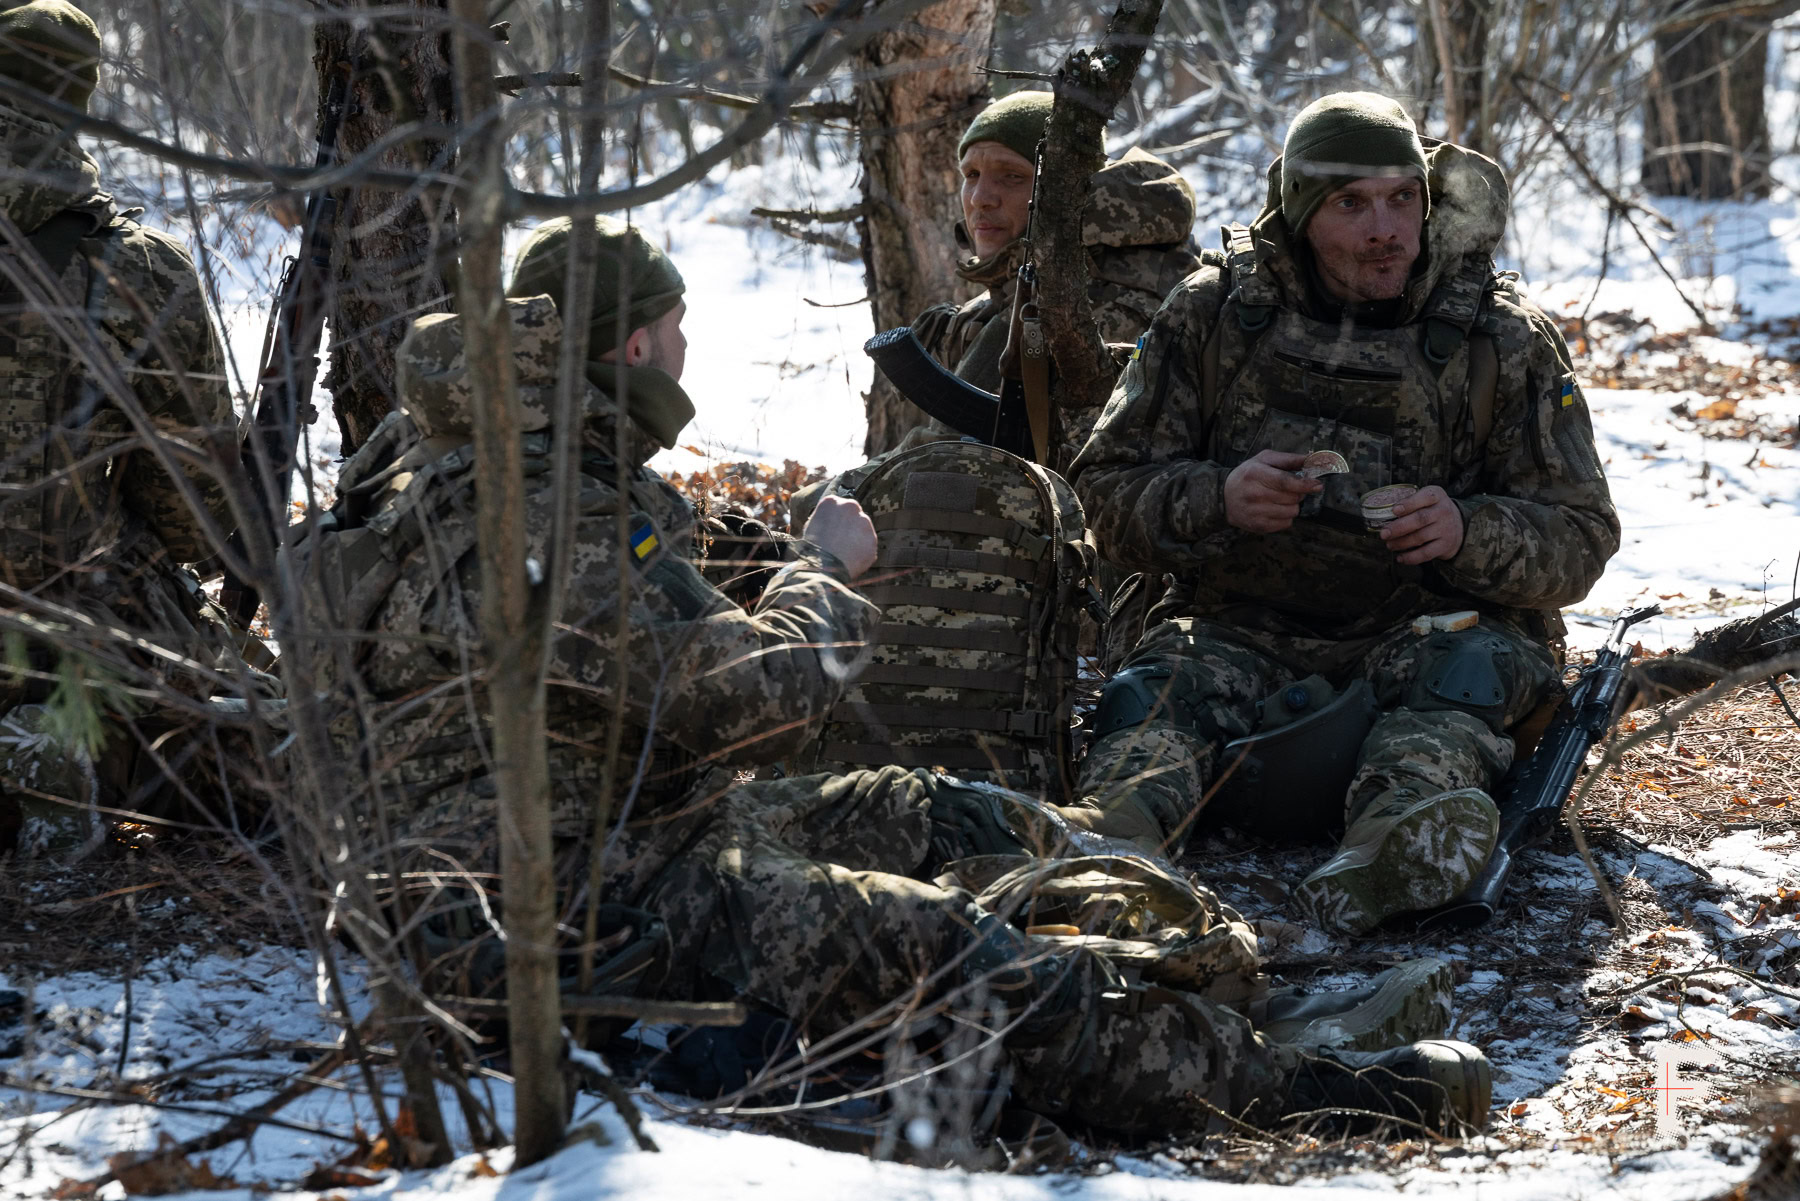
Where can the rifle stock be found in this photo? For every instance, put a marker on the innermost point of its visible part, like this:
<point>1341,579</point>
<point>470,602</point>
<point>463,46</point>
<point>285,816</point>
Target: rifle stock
<point>1532,798</point>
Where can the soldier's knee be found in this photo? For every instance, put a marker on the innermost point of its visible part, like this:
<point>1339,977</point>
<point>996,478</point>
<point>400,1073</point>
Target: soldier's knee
<point>1468,671</point>
<point>1147,692</point>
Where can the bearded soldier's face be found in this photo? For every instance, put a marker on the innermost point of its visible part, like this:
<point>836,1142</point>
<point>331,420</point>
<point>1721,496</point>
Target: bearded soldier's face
<point>996,195</point>
<point>1365,237</point>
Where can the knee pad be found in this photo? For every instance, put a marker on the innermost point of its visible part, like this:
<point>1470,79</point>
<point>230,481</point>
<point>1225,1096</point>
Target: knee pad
<point>1466,670</point>
<point>1137,694</point>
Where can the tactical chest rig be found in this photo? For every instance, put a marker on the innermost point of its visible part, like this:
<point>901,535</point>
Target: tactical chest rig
<point>1412,404</point>
<point>55,497</point>
<point>406,511</point>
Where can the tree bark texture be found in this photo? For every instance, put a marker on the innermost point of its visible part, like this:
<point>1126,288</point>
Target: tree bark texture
<point>1706,133</point>
<point>1089,85</point>
<point>918,89</point>
<point>512,654</point>
<point>394,252</point>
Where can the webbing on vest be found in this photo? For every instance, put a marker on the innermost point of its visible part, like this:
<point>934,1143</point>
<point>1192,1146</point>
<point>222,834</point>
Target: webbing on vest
<point>957,599</point>
<point>916,676</point>
<point>1004,758</point>
<point>988,563</point>
<point>951,522</point>
<point>999,639</point>
<point>1032,723</point>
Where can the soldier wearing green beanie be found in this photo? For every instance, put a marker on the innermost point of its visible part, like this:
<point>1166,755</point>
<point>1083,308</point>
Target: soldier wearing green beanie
<point>1351,424</point>
<point>1341,138</point>
<point>637,295</point>
<point>52,46</point>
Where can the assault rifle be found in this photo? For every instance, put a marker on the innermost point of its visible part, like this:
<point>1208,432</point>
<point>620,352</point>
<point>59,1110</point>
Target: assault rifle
<point>290,361</point>
<point>1532,799</point>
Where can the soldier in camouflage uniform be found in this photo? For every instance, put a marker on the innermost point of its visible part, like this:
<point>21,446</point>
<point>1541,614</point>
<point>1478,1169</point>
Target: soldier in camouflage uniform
<point>804,896</point>
<point>105,342</point>
<point>1360,314</point>
<point>1139,218</point>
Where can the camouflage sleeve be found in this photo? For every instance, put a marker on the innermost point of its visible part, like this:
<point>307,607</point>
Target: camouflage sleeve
<point>153,309</point>
<point>1541,526</point>
<point>740,687</point>
<point>1153,502</point>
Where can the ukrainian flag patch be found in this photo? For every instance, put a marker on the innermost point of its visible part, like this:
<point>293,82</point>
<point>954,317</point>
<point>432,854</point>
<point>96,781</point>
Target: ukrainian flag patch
<point>643,540</point>
<point>1568,393</point>
<point>1137,352</point>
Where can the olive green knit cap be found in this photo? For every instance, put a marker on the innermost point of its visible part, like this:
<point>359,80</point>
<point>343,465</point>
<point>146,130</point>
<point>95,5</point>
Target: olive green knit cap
<point>1338,139</point>
<point>632,274</point>
<point>1016,122</point>
<point>52,46</point>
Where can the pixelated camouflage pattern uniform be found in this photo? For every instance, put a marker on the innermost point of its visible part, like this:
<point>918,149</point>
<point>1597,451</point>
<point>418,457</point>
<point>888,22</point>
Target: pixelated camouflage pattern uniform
<point>1246,612</point>
<point>105,537</point>
<point>798,893</point>
<point>1137,226</point>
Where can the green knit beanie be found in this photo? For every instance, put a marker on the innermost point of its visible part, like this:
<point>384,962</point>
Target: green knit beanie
<point>52,46</point>
<point>1338,139</point>
<point>1016,122</point>
<point>651,288</point>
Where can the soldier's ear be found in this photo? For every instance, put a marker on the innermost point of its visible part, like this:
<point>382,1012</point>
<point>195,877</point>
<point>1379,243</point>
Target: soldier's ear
<point>637,347</point>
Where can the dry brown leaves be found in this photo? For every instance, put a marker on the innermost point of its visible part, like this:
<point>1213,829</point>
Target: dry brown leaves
<point>759,489</point>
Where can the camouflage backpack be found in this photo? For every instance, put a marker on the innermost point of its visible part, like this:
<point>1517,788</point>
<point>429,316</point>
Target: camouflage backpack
<point>981,578</point>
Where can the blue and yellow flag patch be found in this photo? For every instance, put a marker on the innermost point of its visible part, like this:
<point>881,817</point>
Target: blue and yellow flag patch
<point>1137,352</point>
<point>1567,400</point>
<point>643,540</point>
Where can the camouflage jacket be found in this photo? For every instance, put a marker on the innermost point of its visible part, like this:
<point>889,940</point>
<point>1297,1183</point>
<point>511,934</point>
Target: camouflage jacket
<point>146,313</point>
<point>84,524</point>
<point>1248,356</point>
<point>707,683</point>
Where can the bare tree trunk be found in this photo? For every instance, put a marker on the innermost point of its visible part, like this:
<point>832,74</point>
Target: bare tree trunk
<point>1706,133</point>
<point>1089,85</point>
<point>393,257</point>
<point>918,90</point>
<point>512,653</point>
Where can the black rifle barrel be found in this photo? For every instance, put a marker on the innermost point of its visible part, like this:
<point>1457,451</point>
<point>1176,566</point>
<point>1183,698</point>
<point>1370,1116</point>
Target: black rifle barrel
<point>291,356</point>
<point>1532,800</point>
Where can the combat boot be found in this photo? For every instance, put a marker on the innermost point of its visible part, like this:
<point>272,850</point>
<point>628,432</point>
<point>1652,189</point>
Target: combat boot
<point>1441,1085</point>
<point>1402,855</point>
<point>1404,1004</point>
<point>1127,821</point>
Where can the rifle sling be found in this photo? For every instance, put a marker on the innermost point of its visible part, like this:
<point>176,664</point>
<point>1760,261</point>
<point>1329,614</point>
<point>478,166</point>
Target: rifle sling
<point>1034,374</point>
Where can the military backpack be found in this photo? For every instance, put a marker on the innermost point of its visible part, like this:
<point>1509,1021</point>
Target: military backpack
<point>981,577</point>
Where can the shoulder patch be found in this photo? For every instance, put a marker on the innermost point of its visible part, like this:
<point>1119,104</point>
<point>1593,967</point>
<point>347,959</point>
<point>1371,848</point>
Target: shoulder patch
<point>644,542</point>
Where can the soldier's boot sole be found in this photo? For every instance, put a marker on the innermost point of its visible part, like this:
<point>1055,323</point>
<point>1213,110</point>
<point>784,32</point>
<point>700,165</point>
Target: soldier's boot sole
<point>1441,1084</point>
<point>1405,1004</point>
<point>1404,858</point>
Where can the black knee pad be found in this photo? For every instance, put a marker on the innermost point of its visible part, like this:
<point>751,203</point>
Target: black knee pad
<point>1136,694</point>
<point>1465,670</point>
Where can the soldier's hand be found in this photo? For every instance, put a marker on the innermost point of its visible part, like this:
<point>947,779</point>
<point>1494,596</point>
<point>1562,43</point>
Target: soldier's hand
<point>1427,525</point>
<point>840,526</point>
<point>1263,495</point>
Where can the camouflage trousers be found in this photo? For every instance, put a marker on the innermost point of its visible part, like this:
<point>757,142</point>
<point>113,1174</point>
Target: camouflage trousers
<point>1154,776</point>
<point>801,895</point>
